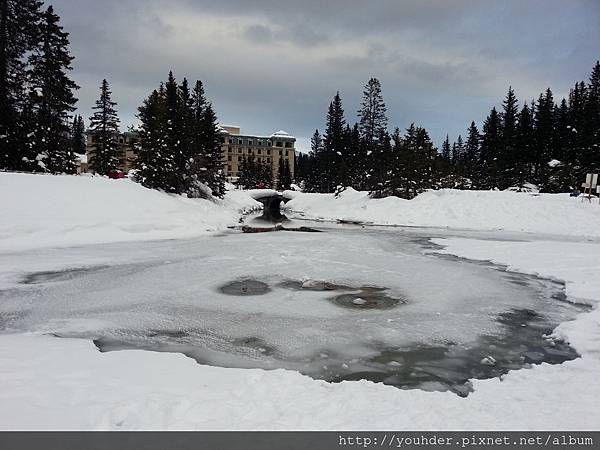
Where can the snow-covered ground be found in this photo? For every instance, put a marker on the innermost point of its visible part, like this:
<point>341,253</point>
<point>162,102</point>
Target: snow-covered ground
<point>49,211</point>
<point>51,383</point>
<point>473,210</point>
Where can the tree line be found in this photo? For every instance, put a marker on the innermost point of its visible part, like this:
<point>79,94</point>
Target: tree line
<point>543,143</point>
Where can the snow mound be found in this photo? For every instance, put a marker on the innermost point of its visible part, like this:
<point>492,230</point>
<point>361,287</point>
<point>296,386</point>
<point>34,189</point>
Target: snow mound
<point>56,211</point>
<point>556,214</point>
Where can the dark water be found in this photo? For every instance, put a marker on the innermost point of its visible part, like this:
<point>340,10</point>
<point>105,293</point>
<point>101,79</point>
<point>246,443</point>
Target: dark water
<point>523,342</point>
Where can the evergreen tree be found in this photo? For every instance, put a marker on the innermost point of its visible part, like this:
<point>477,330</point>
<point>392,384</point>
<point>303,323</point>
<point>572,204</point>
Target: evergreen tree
<point>544,132</point>
<point>314,177</point>
<point>446,150</point>
<point>374,135</point>
<point>212,173</point>
<point>284,176</point>
<point>471,156</point>
<point>525,142</point>
<point>51,98</point>
<point>490,150</point>
<point>78,143</point>
<point>155,160</point>
<point>334,147</point>
<point>373,119</point>
<point>19,33</point>
<point>508,156</point>
<point>590,158</point>
<point>458,149</point>
<point>104,130</point>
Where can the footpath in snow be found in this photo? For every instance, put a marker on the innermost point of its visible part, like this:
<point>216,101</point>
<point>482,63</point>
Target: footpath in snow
<point>473,210</point>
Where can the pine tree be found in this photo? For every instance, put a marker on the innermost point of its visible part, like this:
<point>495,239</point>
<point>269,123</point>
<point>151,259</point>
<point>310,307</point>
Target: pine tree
<point>544,132</point>
<point>508,156</point>
<point>374,136</point>
<point>334,147</point>
<point>446,150</point>
<point>373,119</point>
<point>525,142</point>
<point>590,158</point>
<point>458,149</point>
<point>155,162</point>
<point>471,157</point>
<point>78,144</point>
<point>52,100</point>
<point>104,131</point>
<point>314,177</point>
<point>213,176</point>
<point>491,145</point>
<point>19,33</point>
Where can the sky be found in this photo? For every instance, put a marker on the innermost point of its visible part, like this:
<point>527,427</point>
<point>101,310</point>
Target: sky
<point>269,65</point>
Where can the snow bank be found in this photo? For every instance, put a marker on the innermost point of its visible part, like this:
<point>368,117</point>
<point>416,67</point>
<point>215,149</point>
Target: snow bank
<point>556,214</point>
<point>46,211</point>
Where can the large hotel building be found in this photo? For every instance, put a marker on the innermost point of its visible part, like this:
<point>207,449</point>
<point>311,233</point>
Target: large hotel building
<point>267,150</point>
<point>234,145</point>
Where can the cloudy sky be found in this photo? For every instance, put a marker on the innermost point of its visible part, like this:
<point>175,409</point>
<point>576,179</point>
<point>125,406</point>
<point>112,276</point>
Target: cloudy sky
<point>275,64</point>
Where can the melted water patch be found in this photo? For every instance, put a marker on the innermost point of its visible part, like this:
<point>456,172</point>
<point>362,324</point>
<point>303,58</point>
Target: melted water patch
<point>246,286</point>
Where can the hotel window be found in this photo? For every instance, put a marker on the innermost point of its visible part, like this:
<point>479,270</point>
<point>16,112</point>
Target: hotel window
<point>231,141</point>
<point>260,143</point>
<point>229,168</point>
<point>268,160</point>
<point>279,144</point>
<point>239,158</point>
<point>240,141</point>
<point>280,152</point>
<point>288,145</point>
<point>229,150</point>
<point>269,143</point>
<point>249,142</point>
<point>229,158</point>
<point>259,151</point>
<point>268,152</point>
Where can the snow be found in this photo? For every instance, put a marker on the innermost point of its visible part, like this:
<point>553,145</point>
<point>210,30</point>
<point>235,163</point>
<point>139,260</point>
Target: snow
<point>47,211</point>
<point>557,214</point>
<point>60,384</point>
<point>67,384</point>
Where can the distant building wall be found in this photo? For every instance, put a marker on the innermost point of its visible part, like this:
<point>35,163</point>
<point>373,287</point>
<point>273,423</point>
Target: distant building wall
<point>264,149</point>
<point>127,154</point>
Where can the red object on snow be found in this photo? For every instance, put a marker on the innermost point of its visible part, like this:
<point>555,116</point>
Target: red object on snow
<point>116,175</point>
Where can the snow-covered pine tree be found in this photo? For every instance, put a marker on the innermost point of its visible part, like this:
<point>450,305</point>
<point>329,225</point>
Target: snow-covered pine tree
<point>51,98</point>
<point>334,147</point>
<point>373,128</point>
<point>213,176</point>
<point>104,130</point>
<point>78,136</point>
<point>19,31</point>
<point>155,161</point>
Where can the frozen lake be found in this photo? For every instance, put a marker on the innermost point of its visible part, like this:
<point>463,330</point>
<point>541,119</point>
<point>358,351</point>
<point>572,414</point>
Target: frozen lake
<point>344,304</point>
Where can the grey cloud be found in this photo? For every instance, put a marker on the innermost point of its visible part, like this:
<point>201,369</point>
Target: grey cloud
<point>270,64</point>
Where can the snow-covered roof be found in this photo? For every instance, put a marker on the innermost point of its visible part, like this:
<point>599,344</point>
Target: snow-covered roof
<point>282,133</point>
